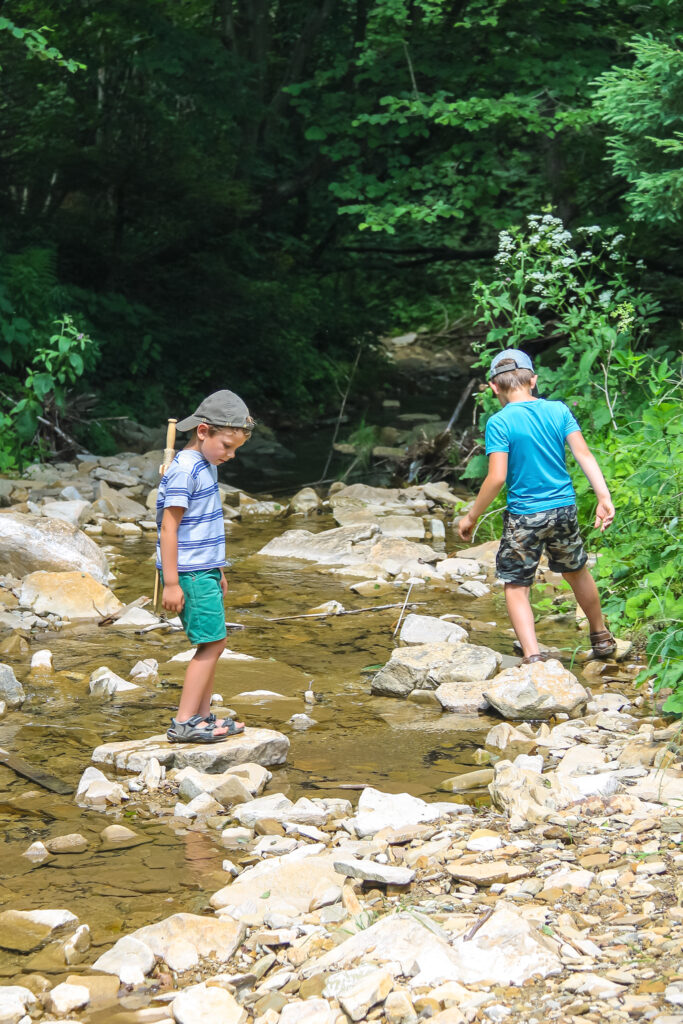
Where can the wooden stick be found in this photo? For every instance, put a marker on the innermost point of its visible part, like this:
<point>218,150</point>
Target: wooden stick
<point>107,620</point>
<point>169,455</point>
<point>479,923</point>
<point>403,609</point>
<point>28,771</point>
<point>326,615</point>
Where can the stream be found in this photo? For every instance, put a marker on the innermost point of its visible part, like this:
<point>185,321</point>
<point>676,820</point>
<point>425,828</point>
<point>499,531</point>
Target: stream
<point>358,740</point>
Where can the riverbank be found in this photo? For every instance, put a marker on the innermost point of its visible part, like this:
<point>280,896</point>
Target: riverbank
<point>320,891</point>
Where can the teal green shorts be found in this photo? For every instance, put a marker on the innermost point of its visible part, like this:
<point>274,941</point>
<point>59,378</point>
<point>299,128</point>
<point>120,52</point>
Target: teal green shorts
<point>203,614</point>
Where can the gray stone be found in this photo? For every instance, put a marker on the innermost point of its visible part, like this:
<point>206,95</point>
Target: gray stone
<point>31,543</point>
<point>264,746</point>
<point>371,871</point>
<point>463,698</point>
<point>537,691</point>
<point>305,500</point>
<point>426,666</point>
<point>474,588</point>
<point>426,629</point>
<point>11,690</point>
<point>333,547</point>
<point>74,512</point>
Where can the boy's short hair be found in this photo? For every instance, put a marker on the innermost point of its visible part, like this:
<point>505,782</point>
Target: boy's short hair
<point>246,430</point>
<point>510,380</point>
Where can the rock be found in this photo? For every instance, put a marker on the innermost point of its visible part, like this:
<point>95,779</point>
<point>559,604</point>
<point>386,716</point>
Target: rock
<point>15,1002</point>
<point>182,940</point>
<point>371,871</point>
<point>137,617</point>
<point>26,930</point>
<point>31,543</point>
<point>75,512</point>
<point>359,989</point>
<point>147,669</point>
<point>506,950</point>
<point>506,740</point>
<point>264,746</point>
<point>372,588</point>
<point>200,1004</point>
<point>64,998</point>
<point>112,529</point>
<point>283,885</point>
<point>569,879</point>
<point>483,553</point>
<point>308,1011</point>
<point>483,840</point>
<point>410,527</point>
<point>119,837</point>
<point>426,666</point>
<point>227,788</point>
<point>474,588</point>
<point>36,852</point>
<point>41,661</point>
<point>527,797</point>
<point>467,781</point>
<point>487,874</point>
<point>151,775</point>
<point>97,791</point>
<point>377,810</point>
<point>202,806</point>
<point>129,959</point>
<point>673,993</point>
<point>463,698</point>
<point>302,721</point>
<point>328,548</point>
<point>306,500</point>
<point>105,683</point>
<point>427,629</point>
<point>581,759</point>
<point>117,506</point>
<point>540,690</point>
<point>11,690</point>
<point>70,595</point>
<point>398,1008</point>
<point>74,842</point>
<point>275,806</point>
<point>456,568</point>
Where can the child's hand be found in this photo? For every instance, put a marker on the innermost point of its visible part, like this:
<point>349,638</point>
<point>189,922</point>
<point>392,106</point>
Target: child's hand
<point>604,514</point>
<point>172,598</point>
<point>224,585</point>
<point>465,526</point>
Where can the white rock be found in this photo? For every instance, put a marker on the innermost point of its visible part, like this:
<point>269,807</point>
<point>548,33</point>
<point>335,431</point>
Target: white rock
<point>275,805</point>
<point>64,998</point>
<point>137,617</point>
<point>11,690</point>
<point>37,852</point>
<point>15,1001</point>
<point>371,871</point>
<point>76,945</point>
<point>308,1011</point>
<point>427,666</point>
<point>75,512</point>
<point>540,690</point>
<point>71,595</point>
<point>97,791</point>
<point>129,959</point>
<point>263,746</point>
<point>147,669</point>
<point>202,806</point>
<point>282,885</point>
<point>506,950</point>
<point>474,588</point>
<point>42,661</point>
<point>425,629</point>
<point>377,810</point>
<point>456,568</point>
<point>359,989</point>
<point>569,879</point>
<point>302,721</point>
<point>151,775</point>
<point>29,543</point>
<point>104,682</point>
<point>200,1004</point>
<point>182,940</point>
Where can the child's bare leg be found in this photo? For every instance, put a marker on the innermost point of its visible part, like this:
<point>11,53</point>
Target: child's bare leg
<point>521,617</point>
<point>198,685</point>
<point>586,594</point>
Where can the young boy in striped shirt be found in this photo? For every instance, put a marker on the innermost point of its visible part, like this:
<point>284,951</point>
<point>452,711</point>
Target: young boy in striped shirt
<point>191,556</point>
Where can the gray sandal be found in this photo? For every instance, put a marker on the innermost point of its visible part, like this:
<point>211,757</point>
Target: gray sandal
<point>224,723</point>
<point>190,732</point>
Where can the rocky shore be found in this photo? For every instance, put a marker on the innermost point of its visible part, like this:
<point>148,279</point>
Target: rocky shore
<point>545,885</point>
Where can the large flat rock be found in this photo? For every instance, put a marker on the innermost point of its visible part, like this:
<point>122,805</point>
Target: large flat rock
<point>427,666</point>
<point>263,746</point>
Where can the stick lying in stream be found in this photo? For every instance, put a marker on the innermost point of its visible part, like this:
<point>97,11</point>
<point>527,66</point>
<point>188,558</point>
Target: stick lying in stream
<point>326,615</point>
<point>107,620</point>
<point>28,771</point>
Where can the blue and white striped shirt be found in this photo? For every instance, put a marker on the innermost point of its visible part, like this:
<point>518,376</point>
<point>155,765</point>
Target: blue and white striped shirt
<point>190,482</point>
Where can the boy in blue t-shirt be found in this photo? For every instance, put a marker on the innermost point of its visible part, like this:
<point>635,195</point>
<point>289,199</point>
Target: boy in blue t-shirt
<point>191,556</point>
<point>525,443</point>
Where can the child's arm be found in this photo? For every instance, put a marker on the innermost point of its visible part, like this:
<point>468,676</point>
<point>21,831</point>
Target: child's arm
<point>495,478</point>
<point>604,514</point>
<point>172,597</point>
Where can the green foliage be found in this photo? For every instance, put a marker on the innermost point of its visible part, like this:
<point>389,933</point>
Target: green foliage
<point>643,105</point>
<point>37,45</point>
<point>629,403</point>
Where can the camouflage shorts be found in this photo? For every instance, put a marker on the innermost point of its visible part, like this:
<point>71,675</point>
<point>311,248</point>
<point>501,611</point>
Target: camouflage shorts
<point>525,536</point>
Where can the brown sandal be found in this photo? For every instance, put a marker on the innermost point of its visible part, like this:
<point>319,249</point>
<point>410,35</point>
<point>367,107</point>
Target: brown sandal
<point>531,658</point>
<point>603,644</point>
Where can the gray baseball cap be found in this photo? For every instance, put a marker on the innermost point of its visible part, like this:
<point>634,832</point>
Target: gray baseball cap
<point>221,409</point>
<point>510,359</point>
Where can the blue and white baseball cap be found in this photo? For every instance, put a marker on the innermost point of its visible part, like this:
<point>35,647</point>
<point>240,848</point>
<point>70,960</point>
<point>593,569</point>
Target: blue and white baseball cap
<point>510,359</point>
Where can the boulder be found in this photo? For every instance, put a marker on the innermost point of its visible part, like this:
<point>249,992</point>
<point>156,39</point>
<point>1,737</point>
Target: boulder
<point>506,950</point>
<point>182,940</point>
<point>485,553</point>
<point>264,746</point>
<point>97,791</point>
<point>474,588</point>
<point>308,1011</point>
<point>117,506</point>
<point>540,690</point>
<point>508,741</point>
<point>456,568</point>
<point>15,1002</point>
<point>427,629</point>
<point>129,959</point>
<point>426,666</point>
<point>11,691</point>
<point>528,797</point>
<point>105,683</point>
<point>360,989</point>
<point>25,930</point>
<point>71,595</point>
<point>371,871</point>
<point>332,547</point>
<point>64,998</point>
<point>30,543</point>
<point>410,527</point>
<point>283,886</point>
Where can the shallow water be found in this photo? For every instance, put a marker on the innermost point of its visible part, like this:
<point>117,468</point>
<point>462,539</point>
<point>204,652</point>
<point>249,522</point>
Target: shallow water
<point>358,739</point>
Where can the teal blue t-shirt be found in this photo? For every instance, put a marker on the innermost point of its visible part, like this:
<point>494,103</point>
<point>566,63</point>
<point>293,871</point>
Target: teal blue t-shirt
<point>533,434</point>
